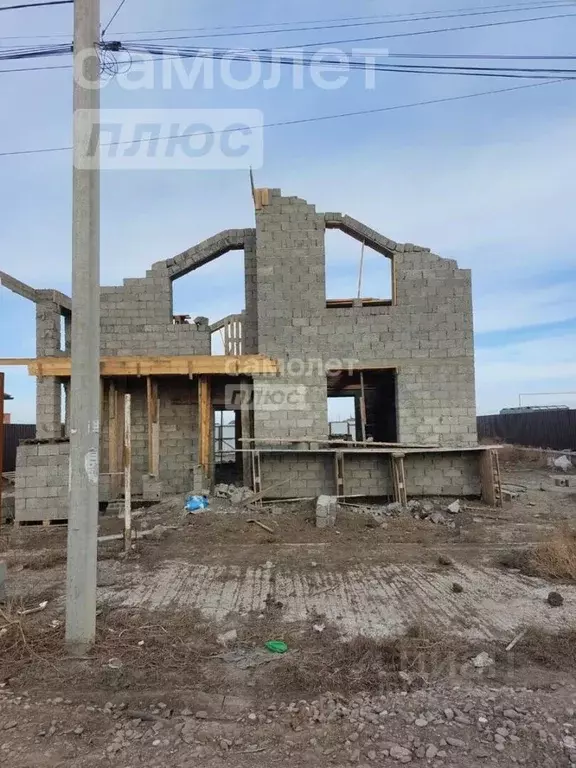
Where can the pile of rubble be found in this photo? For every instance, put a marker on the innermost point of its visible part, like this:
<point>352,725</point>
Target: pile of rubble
<point>235,494</point>
<point>435,512</point>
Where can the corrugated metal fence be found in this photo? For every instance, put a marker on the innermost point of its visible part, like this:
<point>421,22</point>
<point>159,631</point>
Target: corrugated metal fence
<point>540,429</point>
<point>13,433</point>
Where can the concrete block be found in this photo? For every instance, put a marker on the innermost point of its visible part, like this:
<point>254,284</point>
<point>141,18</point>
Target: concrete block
<point>326,511</point>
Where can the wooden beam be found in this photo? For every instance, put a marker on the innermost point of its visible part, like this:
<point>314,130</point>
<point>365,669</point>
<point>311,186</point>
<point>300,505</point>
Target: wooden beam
<point>112,437</point>
<point>180,365</point>
<point>246,430</point>
<point>153,426</point>
<point>490,478</point>
<point>205,425</point>
<point>127,452</point>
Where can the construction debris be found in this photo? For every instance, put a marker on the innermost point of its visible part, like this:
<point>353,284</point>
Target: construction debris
<point>262,525</point>
<point>563,463</point>
<point>326,510</point>
<point>483,660</point>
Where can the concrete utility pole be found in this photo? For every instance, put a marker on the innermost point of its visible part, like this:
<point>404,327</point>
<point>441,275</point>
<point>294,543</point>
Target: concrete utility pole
<point>85,383</point>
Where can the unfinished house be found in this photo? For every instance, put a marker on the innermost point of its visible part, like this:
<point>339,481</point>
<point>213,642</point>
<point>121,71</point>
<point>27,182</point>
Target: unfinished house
<point>406,359</point>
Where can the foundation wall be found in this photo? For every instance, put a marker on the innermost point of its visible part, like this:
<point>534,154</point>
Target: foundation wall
<point>437,474</point>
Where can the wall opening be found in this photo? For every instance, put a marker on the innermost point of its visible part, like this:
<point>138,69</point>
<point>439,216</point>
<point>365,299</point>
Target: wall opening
<point>225,443</point>
<point>62,333</point>
<point>356,272</point>
<point>372,396</point>
<point>214,290</point>
<point>342,417</point>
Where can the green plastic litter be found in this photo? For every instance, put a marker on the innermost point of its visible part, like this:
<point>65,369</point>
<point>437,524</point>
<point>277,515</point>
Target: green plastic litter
<point>276,646</point>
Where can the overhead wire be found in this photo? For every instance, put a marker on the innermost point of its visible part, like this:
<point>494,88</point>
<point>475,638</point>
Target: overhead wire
<point>241,33</point>
<point>427,31</point>
<point>462,70</point>
<point>116,12</point>
<point>520,5</point>
<point>35,5</point>
<point>298,121</point>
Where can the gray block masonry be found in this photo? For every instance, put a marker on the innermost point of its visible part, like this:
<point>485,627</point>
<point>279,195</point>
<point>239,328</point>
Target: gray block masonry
<point>42,477</point>
<point>326,511</point>
<point>424,335</point>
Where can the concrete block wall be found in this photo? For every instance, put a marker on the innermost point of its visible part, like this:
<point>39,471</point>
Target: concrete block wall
<point>48,388</point>
<point>426,335</point>
<point>443,474</point>
<point>42,477</point>
<point>290,286</point>
<point>437,474</point>
<point>136,319</point>
<point>311,474</point>
<point>178,425</point>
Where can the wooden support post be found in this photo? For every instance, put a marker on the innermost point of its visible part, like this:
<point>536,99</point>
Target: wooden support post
<point>362,407</point>
<point>127,473</point>
<point>256,471</point>
<point>398,478</point>
<point>339,473</point>
<point>113,459</point>
<point>205,426</point>
<point>245,430</point>
<point>490,478</point>
<point>153,426</point>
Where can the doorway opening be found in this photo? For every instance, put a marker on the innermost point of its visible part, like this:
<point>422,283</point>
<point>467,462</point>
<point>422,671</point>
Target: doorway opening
<point>370,396</point>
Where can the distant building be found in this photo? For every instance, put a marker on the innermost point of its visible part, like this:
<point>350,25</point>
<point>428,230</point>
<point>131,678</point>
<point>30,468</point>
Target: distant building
<point>533,408</point>
<point>7,415</point>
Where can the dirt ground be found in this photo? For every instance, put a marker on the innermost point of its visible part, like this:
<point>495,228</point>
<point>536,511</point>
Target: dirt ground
<point>387,663</point>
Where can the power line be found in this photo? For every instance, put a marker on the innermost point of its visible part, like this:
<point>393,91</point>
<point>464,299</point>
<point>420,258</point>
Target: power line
<point>116,12</point>
<point>483,12</point>
<point>34,53</point>
<point>463,56</point>
<point>300,121</point>
<point>470,71</point>
<point>35,5</point>
<point>427,31</point>
<point>512,7</point>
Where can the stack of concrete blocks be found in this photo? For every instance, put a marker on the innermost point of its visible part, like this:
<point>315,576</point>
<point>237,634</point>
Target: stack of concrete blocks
<point>326,511</point>
<point>42,480</point>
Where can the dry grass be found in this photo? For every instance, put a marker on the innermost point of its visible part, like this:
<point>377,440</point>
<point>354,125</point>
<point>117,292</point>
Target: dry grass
<point>367,664</point>
<point>542,649</point>
<point>553,559</point>
<point>146,650</point>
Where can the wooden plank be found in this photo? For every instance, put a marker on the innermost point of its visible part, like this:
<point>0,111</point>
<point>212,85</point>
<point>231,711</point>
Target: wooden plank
<point>490,479</point>
<point>362,408</point>
<point>112,437</point>
<point>127,411</point>
<point>153,426</point>
<point>398,478</point>
<point>205,425</point>
<point>339,473</point>
<point>246,430</point>
<point>180,365</point>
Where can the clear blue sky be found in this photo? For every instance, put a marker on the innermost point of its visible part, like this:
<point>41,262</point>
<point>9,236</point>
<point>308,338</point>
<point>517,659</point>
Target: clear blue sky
<point>490,182</point>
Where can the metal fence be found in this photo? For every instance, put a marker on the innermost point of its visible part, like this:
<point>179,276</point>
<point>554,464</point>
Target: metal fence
<point>539,429</point>
<point>13,433</point>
